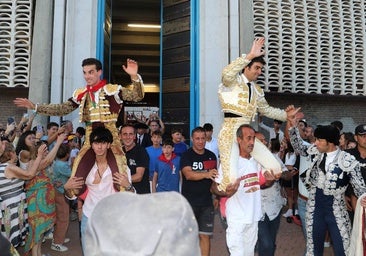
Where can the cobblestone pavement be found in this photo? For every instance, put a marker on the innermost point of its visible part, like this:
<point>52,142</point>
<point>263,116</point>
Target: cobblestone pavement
<point>290,241</point>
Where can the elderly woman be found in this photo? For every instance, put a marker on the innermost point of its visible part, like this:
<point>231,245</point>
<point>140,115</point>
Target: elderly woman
<point>13,213</point>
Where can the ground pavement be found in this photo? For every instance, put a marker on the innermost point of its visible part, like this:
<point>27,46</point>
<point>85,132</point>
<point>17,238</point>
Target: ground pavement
<point>290,241</point>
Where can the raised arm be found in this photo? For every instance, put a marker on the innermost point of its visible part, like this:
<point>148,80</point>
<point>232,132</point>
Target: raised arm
<point>137,92</point>
<point>47,109</point>
<point>52,154</point>
<point>230,72</point>
<point>13,171</point>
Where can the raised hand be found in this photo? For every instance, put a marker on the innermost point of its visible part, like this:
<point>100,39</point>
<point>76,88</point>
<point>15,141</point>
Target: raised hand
<point>131,68</point>
<point>256,50</point>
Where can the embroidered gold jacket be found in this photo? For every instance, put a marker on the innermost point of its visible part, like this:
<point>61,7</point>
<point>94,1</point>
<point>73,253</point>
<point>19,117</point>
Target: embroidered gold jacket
<point>108,99</point>
<point>234,94</point>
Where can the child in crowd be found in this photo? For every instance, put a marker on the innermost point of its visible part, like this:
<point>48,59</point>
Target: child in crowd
<point>179,146</point>
<point>167,171</point>
<point>154,151</point>
<point>61,173</point>
<point>74,145</point>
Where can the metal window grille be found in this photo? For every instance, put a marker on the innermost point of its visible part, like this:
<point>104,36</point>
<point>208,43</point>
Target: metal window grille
<point>15,42</point>
<point>313,46</point>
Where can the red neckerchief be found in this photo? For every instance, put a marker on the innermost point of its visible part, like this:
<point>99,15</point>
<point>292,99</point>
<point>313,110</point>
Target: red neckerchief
<point>91,90</point>
<point>168,161</point>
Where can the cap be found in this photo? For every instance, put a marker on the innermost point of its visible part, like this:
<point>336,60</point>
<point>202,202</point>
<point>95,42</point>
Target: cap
<point>150,224</point>
<point>328,132</point>
<point>361,129</point>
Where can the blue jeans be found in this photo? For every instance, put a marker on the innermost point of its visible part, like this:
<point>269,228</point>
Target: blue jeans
<point>267,232</point>
<point>84,222</point>
<point>301,208</point>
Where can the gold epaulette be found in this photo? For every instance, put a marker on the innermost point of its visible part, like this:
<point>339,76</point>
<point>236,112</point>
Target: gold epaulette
<point>77,92</point>
<point>111,89</point>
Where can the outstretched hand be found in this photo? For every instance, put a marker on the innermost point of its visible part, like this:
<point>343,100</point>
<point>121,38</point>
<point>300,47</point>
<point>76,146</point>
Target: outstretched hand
<point>24,103</point>
<point>256,50</point>
<point>131,68</point>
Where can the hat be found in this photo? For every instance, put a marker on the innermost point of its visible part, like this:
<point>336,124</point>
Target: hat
<point>328,132</point>
<point>149,224</point>
<point>361,129</point>
<point>141,126</point>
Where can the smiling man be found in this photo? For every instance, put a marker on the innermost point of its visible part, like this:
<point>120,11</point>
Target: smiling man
<point>99,104</point>
<point>199,170</point>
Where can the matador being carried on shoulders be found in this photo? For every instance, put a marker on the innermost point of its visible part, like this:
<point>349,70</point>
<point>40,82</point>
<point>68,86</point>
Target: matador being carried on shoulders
<point>99,104</point>
<point>241,98</point>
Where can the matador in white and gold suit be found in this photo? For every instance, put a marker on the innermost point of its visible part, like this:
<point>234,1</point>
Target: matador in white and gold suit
<point>240,103</point>
<point>99,104</point>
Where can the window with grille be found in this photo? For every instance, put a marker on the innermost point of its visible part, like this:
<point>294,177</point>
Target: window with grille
<point>313,46</point>
<point>15,42</point>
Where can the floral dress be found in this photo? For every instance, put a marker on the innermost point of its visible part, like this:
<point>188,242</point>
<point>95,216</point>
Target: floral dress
<point>41,207</point>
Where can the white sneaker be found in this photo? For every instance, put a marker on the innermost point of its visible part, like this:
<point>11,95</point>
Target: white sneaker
<point>288,213</point>
<point>67,240</point>
<point>59,247</point>
<point>326,244</point>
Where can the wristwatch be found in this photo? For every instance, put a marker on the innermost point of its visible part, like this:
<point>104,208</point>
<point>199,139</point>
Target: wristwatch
<point>129,188</point>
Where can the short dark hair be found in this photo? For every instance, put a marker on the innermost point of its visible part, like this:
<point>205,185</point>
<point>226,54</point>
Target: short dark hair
<point>101,134</point>
<point>128,125</point>
<point>62,151</point>
<point>92,61</point>
<point>259,59</point>
<point>197,129</point>
<point>208,127</point>
<point>168,142</point>
<point>157,133</point>
<point>174,130</point>
<point>80,130</point>
<point>52,124</point>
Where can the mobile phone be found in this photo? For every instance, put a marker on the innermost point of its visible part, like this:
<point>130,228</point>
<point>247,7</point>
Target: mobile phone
<point>39,128</point>
<point>11,120</point>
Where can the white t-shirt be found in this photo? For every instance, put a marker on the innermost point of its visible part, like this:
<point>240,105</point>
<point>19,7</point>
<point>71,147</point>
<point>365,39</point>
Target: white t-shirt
<point>245,204</point>
<point>213,146</point>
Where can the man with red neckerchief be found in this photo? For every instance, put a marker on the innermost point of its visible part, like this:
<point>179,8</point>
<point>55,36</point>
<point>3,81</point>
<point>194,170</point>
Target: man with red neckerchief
<point>99,104</point>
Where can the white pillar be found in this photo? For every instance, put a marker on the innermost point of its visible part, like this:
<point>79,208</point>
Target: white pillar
<point>39,82</point>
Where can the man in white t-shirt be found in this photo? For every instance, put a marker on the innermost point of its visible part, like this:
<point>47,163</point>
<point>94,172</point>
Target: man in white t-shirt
<point>211,142</point>
<point>243,207</point>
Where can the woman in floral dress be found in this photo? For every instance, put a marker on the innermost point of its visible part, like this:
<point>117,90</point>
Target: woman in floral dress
<point>13,206</point>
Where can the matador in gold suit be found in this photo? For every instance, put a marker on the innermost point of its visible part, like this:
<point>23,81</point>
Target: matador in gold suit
<point>240,103</point>
<point>99,104</point>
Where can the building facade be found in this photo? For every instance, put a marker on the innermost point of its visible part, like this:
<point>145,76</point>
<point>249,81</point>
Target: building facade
<point>315,53</point>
